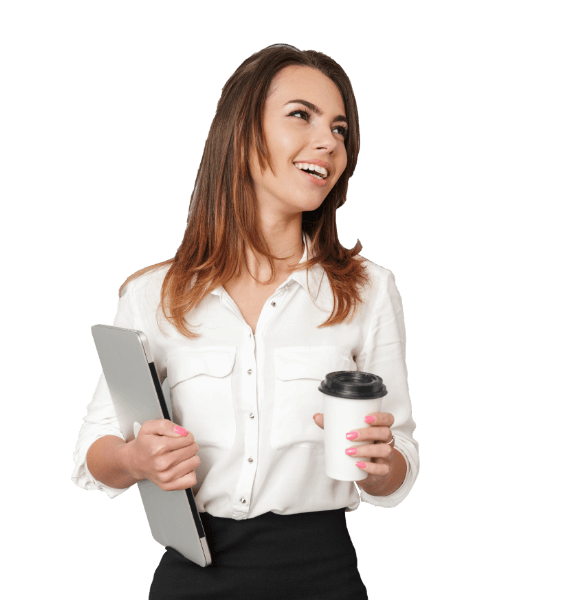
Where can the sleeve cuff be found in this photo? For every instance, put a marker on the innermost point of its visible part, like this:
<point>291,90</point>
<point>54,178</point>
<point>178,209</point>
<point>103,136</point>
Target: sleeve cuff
<point>82,477</point>
<point>400,494</point>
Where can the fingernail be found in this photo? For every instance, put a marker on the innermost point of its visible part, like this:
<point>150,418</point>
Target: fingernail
<point>180,430</point>
<point>352,435</point>
<point>351,451</point>
<point>362,465</point>
<point>370,419</point>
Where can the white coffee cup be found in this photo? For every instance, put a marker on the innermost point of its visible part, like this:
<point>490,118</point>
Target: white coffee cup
<point>349,396</point>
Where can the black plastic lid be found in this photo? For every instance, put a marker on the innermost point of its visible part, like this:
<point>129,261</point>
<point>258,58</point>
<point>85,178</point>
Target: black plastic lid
<point>355,385</point>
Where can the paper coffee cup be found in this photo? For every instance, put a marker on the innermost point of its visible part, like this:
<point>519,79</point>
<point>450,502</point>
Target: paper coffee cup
<point>349,396</point>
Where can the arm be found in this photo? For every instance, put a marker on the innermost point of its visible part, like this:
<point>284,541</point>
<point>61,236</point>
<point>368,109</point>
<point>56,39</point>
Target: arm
<point>101,422</point>
<point>384,353</point>
<point>108,460</point>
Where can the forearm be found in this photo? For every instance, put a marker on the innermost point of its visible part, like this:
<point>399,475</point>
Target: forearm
<point>393,482</point>
<point>108,460</point>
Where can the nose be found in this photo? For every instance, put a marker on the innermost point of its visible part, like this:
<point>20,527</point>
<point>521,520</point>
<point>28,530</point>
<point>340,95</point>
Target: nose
<point>324,138</point>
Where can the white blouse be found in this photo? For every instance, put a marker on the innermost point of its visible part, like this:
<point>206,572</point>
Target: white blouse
<point>249,400</point>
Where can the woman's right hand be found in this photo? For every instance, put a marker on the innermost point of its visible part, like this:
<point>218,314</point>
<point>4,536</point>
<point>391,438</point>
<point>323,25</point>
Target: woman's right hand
<point>164,453</point>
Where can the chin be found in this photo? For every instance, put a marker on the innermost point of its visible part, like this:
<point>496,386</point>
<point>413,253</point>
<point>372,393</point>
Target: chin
<point>311,204</point>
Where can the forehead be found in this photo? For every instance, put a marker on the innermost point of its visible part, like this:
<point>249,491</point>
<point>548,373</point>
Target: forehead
<point>307,84</point>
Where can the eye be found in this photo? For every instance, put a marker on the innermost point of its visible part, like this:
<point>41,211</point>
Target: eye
<point>302,112</point>
<point>343,130</point>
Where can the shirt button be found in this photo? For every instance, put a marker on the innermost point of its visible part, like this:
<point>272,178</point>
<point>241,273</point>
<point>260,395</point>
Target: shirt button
<point>273,304</point>
<point>249,372</point>
<point>251,415</point>
<point>242,500</point>
<point>250,459</point>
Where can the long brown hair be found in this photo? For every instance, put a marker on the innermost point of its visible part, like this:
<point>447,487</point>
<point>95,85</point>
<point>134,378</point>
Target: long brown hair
<point>223,213</point>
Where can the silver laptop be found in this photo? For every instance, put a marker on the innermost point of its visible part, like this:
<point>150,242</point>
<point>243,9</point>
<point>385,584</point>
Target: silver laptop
<point>137,396</point>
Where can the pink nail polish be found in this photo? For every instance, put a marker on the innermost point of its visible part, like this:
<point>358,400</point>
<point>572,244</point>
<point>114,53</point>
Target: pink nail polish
<point>352,435</point>
<point>351,451</point>
<point>362,465</point>
<point>180,430</point>
<point>370,419</point>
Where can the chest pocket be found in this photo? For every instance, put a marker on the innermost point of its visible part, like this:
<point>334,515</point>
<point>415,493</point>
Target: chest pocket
<point>201,393</point>
<point>299,370</point>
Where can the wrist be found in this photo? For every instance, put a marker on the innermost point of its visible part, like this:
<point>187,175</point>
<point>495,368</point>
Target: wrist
<point>128,460</point>
<point>394,480</point>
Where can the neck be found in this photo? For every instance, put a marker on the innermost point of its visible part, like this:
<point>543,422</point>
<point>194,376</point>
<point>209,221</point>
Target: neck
<point>282,241</point>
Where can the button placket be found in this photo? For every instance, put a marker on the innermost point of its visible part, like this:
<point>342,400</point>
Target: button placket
<point>251,417</point>
<point>249,449</point>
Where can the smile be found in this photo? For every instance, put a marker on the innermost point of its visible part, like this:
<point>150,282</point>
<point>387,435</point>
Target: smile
<point>315,179</point>
<point>313,169</point>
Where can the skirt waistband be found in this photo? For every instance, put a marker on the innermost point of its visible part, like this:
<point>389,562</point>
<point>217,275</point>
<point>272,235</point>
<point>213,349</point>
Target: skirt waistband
<point>240,543</point>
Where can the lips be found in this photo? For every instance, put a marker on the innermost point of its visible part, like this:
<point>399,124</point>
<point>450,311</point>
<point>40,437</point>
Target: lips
<point>317,161</point>
<point>314,180</point>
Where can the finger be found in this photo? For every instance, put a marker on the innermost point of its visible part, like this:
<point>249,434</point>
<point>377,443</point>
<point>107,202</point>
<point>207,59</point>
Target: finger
<point>380,418</point>
<point>183,483</point>
<point>163,427</point>
<point>191,464</point>
<point>168,460</point>
<point>175,443</point>
<point>373,468</point>
<point>371,451</point>
<point>161,444</point>
<point>380,434</point>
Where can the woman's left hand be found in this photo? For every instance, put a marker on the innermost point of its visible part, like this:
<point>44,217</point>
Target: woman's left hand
<point>377,454</point>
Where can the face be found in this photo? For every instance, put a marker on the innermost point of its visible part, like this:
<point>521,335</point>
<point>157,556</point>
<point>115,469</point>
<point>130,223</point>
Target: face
<point>296,133</point>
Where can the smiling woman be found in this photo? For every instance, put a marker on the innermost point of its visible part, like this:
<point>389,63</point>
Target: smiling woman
<point>281,148</point>
<point>276,303</point>
<point>281,108</point>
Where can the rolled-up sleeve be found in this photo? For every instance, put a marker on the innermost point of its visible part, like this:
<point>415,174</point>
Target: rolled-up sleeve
<point>384,354</point>
<point>101,419</point>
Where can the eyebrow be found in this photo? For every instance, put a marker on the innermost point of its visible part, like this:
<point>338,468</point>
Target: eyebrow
<point>317,110</point>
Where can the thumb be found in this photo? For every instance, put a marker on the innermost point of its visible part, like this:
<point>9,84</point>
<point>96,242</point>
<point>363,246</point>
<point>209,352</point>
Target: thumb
<point>177,429</point>
<point>164,427</point>
<point>319,420</point>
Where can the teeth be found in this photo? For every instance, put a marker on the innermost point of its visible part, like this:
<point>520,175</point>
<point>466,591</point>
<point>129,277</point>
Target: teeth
<point>303,166</point>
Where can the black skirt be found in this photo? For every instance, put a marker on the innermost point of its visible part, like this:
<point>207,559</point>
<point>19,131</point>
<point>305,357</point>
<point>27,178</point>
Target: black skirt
<point>302,556</point>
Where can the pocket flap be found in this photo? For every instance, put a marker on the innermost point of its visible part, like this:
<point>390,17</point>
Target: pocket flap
<point>216,361</point>
<point>307,362</point>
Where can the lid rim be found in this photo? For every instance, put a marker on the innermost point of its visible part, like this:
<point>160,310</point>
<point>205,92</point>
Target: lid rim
<point>353,385</point>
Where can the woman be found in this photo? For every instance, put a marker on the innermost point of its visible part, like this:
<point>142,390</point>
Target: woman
<point>259,303</point>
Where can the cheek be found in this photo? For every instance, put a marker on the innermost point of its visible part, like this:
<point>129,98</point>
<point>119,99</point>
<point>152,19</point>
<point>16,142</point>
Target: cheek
<point>279,144</point>
<point>344,163</point>
<point>283,151</point>
<point>285,140</point>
